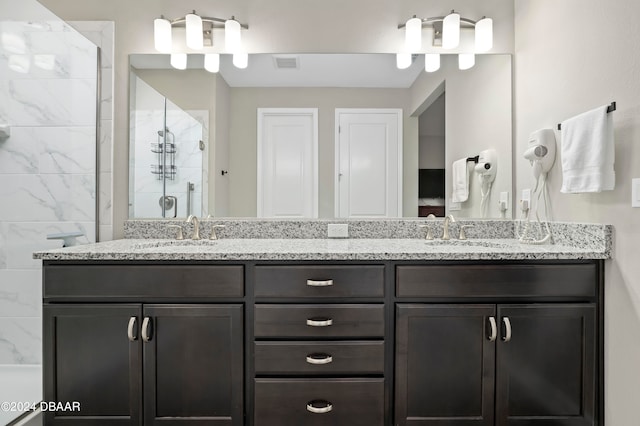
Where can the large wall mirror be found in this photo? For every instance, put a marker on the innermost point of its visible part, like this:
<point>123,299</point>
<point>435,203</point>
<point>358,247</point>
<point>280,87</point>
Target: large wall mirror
<point>211,165</point>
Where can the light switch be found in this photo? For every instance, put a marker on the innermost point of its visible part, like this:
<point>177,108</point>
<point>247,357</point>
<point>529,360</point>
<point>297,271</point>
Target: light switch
<point>635,192</point>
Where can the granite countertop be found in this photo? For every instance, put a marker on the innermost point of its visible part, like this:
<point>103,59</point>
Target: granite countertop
<point>322,249</point>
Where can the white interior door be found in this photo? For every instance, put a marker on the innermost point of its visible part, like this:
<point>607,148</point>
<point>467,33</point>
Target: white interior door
<point>287,162</point>
<point>369,163</point>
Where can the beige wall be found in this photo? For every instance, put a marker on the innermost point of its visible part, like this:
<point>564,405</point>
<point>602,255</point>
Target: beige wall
<point>564,66</point>
<point>243,151</point>
<point>478,106</point>
<point>431,136</point>
<point>368,26</point>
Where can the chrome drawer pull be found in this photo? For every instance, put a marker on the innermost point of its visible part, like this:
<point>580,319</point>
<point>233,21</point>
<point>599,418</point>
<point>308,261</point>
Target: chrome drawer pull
<point>319,359</point>
<point>320,322</point>
<point>132,324</point>
<point>315,283</point>
<point>494,329</point>
<point>311,407</point>
<point>146,335</point>
<point>507,328</point>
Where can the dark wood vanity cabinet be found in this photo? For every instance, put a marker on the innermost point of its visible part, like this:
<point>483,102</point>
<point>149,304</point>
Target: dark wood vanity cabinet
<point>451,343</point>
<point>528,358</point>
<point>141,363</point>
<point>319,346</point>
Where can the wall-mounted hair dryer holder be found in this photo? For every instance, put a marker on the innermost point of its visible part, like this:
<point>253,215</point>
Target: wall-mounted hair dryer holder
<point>541,149</point>
<point>487,166</point>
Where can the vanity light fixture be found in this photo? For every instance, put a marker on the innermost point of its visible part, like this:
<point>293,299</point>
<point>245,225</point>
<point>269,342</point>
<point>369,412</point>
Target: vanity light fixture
<point>240,60</point>
<point>179,61</point>
<point>451,31</point>
<point>484,34</point>
<point>212,62</point>
<point>446,35</point>
<point>431,62</point>
<point>403,60</point>
<point>199,34</point>
<point>413,35</point>
<point>195,38</point>
<point>466,61</point>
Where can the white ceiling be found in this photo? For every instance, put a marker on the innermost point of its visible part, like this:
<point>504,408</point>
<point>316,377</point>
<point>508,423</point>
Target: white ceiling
<point>314,70</point>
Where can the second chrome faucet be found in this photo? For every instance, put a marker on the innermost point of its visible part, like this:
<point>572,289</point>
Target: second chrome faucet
<point>448,220</point>
<point>196,228</point>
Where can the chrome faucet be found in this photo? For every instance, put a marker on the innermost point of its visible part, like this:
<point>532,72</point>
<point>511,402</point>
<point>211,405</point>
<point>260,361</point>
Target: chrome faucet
<point>429,234</point>
<point>214,236</point>
<point>447,220</point>
<point>196,227</point>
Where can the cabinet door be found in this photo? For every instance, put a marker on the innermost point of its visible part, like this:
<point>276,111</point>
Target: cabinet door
<point>91,359</point>
<point>445,361</point>
<point>546,365</point>
<point>193,364</point>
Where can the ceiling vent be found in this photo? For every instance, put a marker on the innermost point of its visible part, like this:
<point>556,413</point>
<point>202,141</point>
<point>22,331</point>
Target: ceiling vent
<point>286,62</point>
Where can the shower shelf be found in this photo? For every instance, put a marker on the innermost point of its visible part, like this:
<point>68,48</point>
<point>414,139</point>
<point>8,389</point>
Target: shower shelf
<point>170,171</point>
<point>157,148</point>
<point>165,149</point>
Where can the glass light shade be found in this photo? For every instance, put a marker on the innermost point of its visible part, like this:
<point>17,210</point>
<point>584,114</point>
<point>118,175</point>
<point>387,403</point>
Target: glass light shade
<point>19,63</point>
<point>195,39</point>
<point>241,60</point>
<point>212,62</point>
<point>179,61</point>
<point>466,61</point>
<point>232,36</point>
<point>431,62</point>
<point>403,60</point>
<point>413,35</point>
<point>484,35</point>
<point>14,43</point>
<point>162,35</point>
<point>451,31</point>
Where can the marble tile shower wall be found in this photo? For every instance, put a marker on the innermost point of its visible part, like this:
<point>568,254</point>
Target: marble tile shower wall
<point>47,166</point>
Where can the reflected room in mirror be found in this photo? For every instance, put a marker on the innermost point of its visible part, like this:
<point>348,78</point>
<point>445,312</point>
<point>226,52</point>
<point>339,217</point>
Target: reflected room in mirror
<point>436,119</point>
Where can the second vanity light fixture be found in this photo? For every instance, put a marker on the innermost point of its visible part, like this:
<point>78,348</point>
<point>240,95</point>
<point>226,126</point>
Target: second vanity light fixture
<point>446,33</point>
<point>199,33</point>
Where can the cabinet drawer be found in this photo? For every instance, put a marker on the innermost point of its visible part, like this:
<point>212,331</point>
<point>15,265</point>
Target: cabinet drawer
<point>319,281</point>
<point>319,321</point>
<point>353,402</point>
<point>534,281</point>
<point>319,358</point>
<point>132,282</point>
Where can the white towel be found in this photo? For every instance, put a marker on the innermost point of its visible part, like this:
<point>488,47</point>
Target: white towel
<point>588,152</point>
<point>460,187</point>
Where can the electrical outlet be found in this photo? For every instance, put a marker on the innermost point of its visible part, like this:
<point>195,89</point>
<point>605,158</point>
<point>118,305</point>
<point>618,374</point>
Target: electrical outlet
<point>635,192</point>
<point>455,206</point>
<point>338,230</point>
<point>526,195</point>
<point>504,198</point>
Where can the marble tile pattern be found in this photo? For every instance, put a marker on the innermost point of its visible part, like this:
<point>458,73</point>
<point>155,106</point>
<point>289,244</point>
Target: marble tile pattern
<point>47,165</point>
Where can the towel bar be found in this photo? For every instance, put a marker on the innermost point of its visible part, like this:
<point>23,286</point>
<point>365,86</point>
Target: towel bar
<point>610,108</point>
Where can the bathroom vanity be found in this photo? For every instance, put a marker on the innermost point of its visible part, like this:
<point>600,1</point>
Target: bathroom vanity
<point>324,332</point>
